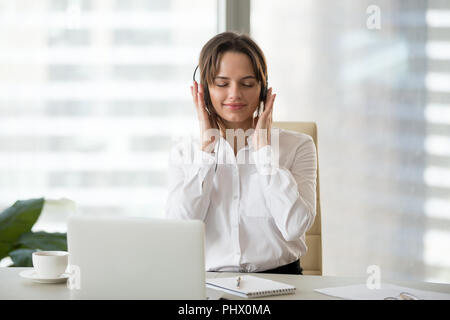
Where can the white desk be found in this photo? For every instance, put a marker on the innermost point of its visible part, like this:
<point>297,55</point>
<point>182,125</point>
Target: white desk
<point>12,286</point>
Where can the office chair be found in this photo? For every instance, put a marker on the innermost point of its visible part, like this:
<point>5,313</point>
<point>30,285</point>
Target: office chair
<point>312,261</point>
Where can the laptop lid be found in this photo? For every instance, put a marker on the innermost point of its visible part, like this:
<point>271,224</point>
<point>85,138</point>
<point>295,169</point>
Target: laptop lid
<point>136,258</point>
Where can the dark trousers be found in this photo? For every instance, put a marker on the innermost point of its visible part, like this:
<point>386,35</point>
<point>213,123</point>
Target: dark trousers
<point>291,268</point>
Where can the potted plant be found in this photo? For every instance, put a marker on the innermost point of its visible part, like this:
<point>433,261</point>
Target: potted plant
<point>16,238</point>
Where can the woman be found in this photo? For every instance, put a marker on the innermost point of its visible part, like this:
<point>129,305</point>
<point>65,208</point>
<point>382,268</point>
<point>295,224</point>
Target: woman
<point>256,204</point>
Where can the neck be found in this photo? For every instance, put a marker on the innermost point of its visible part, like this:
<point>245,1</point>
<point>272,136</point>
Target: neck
<point>244,125</point>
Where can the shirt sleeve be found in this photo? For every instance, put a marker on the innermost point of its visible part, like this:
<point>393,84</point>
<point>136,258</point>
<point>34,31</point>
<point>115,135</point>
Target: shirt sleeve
<point>190,180</point>
<point>291,193</point>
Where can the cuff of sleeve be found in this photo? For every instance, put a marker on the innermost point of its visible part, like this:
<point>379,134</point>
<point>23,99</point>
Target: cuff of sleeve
<point>265,160</point>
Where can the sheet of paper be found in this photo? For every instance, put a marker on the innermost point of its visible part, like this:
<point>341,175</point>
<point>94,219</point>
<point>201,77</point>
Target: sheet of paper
<point>362,292</point>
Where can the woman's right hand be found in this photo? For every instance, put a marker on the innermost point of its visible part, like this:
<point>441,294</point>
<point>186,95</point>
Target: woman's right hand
<point>206,123</point>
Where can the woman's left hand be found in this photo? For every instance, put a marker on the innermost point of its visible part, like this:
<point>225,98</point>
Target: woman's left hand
<point>263,123</point>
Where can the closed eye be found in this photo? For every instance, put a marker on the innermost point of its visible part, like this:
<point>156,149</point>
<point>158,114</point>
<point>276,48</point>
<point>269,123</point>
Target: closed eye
<point>245,85</point>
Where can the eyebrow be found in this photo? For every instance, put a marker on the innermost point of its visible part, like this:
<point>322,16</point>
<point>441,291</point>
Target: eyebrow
<point>226,78</point>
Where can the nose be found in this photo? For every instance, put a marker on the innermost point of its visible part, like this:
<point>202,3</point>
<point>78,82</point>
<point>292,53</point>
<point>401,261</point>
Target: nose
<point>234,92</point>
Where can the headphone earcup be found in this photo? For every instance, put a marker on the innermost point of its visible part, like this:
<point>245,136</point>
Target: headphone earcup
<point>208,101</point>
<point>262,97</point>
<point>264,94</point>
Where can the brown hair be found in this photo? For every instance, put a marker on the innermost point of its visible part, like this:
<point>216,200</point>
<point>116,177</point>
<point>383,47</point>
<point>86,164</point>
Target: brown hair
<point>211,54</point>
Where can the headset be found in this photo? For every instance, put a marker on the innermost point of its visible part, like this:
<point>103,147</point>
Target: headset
<point>208,103</point>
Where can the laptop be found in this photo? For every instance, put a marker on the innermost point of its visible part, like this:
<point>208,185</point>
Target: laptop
<point>135,258</point>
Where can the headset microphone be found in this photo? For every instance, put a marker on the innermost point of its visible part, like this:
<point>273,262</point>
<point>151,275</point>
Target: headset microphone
<point>207,100</point>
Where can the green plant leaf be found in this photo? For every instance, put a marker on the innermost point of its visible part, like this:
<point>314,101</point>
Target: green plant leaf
<point>22,257</point>
<point>16,220</point>
<point>43,241</point>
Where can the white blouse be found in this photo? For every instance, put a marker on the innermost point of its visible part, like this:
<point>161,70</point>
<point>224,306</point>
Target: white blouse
<point>256,207</point>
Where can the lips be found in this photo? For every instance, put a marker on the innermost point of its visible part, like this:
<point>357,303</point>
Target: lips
<point>234,106</point>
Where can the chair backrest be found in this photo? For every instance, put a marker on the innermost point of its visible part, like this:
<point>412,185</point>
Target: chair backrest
<point>312,261</point>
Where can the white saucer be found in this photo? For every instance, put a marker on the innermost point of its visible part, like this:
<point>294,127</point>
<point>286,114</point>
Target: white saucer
<point>32,275</point>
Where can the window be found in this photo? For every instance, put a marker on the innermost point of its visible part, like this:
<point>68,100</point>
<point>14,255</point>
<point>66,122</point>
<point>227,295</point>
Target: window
<point>92,93</point>
<point>381,99</point>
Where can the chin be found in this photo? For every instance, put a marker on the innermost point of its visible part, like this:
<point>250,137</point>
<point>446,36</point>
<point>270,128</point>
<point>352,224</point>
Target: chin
<point>235,118</point>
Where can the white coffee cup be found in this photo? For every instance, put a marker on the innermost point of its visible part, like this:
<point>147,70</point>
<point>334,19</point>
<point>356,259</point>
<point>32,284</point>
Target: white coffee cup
<point>50,264</point>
